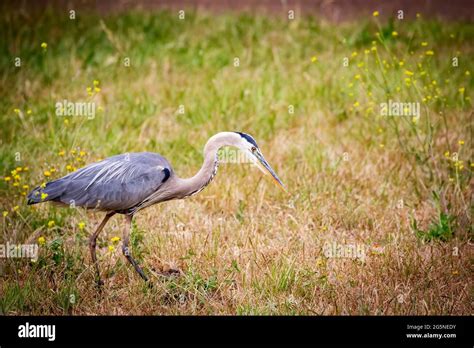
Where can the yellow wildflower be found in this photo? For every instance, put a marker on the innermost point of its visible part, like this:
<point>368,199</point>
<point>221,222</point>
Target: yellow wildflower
<point>461,142</point>
<point>44,45</point>
<point>408,72</point>
<point>41,240</point>
<point>47,173</point>
<point>16,111</point>
<point>61,153</point>
<point>394,33</point>
<point>375,13</point>
<point>461,90</point>
<point>5,213</point>
<point>7,178</point>
<point>43,196</point>
<point>51,223</point>
<point>429,53</point>
<point>424,44</point>
<point>314,59</point>
<point>111,248</point>
<point>96,82</point>
<point>81,225</point>
<point>15,208</point>
<point>115,239</point>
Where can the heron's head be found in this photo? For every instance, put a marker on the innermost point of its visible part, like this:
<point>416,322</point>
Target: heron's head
<point>248,145</point>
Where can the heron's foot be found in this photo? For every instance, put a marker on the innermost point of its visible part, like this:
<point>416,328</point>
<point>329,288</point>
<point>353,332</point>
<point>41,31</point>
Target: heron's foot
<point>174,272</point>
<point>169,272</point>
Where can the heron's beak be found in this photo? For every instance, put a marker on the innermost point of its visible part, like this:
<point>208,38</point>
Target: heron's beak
<point>268,169</point>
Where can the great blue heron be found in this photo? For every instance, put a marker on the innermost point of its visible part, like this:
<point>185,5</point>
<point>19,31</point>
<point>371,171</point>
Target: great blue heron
<point>127,183</point>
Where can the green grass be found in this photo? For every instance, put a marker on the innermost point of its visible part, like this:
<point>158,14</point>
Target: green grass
<point>243,246</point>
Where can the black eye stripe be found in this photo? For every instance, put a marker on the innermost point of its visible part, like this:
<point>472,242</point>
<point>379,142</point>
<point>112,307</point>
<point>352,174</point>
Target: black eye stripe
<point>248,138</point>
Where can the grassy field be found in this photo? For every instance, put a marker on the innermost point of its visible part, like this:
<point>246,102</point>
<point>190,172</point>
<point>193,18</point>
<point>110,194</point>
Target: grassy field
<point>379,217</point>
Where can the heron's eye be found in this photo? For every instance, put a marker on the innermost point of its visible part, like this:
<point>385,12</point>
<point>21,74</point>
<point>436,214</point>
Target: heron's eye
<point>254,149</point>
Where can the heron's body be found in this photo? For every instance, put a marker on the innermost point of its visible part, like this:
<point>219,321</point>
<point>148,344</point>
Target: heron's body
<point>122,184</point>
<point>129,182</point>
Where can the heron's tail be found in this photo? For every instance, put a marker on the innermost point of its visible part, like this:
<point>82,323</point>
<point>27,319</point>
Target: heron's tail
<point>47,192</point>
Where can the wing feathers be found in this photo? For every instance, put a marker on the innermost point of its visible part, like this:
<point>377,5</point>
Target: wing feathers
<point>116,183</point>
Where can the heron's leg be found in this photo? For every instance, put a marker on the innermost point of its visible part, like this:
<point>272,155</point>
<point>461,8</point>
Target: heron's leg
<point>92,245</point>
<point>126,251</point>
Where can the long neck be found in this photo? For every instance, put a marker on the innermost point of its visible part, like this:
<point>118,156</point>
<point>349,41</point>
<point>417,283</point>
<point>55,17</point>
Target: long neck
<point>204,176</point>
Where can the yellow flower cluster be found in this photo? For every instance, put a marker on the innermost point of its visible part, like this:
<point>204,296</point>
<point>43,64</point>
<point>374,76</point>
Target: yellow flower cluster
<point>15,179</point>
<point>94,89</point>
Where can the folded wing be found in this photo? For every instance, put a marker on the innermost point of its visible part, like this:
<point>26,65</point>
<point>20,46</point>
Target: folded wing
<point>117,183</point>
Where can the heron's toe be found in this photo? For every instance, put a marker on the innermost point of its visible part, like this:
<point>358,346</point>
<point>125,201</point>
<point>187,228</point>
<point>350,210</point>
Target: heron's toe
<point>169,272</point>
<point>173,272</point>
